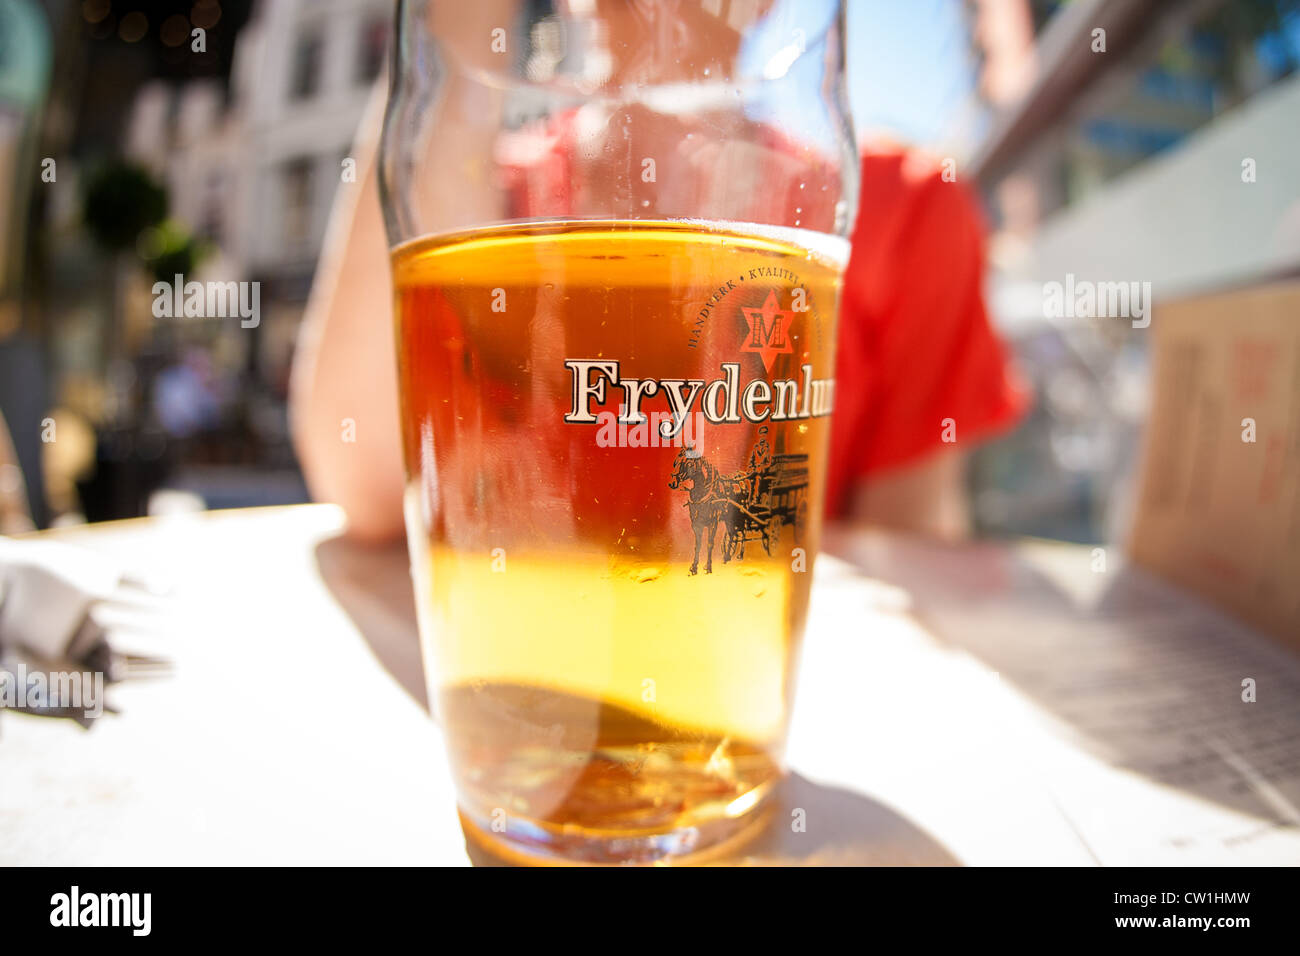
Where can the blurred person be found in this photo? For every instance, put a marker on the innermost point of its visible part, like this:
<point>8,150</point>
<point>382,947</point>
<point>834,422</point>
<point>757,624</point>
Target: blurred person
<point>920,373</point>
<point>15,517</point>
<point>185,397</point>
<point>68,461</point>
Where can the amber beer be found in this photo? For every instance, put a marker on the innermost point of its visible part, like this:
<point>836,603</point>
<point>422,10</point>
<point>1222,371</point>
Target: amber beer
<point>615,436</point>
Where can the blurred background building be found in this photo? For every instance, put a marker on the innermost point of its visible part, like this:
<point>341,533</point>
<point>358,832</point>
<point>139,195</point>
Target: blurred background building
<point>1127,163</point>
<point>1112,155</point>
<point>254,165</point>
<point>1113,158</point>
<point>236,137</point>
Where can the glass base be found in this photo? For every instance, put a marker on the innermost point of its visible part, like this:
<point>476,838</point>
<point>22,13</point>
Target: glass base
<point>526,843</point>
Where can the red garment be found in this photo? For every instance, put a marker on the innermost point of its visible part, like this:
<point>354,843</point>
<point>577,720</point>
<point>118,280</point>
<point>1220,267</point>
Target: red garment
<point>915,343</point>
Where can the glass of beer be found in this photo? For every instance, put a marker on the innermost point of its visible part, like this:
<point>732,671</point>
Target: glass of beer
<point>618,229</point>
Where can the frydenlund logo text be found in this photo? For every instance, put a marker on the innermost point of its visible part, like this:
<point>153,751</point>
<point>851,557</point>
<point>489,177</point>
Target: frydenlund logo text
<point>721,400</point>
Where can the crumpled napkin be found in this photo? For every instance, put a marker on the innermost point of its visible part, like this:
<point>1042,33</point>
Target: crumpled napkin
<point>48,637</point>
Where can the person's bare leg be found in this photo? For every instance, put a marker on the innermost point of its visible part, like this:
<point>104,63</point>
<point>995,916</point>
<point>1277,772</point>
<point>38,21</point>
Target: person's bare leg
<point>927,498</point>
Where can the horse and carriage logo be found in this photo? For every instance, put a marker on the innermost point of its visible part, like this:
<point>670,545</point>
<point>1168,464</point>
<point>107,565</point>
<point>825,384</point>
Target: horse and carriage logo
<point>752,505</point>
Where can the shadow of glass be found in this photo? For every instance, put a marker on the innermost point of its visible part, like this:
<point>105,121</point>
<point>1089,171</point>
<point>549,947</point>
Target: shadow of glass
<point>815,825</point>
<point>373,586</point>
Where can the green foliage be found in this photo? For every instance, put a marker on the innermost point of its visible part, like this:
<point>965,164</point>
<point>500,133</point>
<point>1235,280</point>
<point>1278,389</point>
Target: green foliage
<point>170,249</point>
<point>121,200</point>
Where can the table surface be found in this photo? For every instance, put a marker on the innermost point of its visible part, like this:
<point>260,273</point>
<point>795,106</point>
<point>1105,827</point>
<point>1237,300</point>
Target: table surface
<point>982,704</point>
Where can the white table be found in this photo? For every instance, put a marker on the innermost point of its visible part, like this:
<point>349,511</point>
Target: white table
<point>977,709</point>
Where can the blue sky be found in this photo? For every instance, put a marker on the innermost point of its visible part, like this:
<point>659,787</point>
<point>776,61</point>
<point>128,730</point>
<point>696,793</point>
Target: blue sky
<point>910,67</point>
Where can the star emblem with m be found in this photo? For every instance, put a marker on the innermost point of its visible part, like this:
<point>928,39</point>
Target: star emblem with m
<point>769,331</point>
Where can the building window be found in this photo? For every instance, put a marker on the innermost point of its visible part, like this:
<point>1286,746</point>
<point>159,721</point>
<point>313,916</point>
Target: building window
<point>305,80</point>
<point>297,192</point>
<point>374,43</point>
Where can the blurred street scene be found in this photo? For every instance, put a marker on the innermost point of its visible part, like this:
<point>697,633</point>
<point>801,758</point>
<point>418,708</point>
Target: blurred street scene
<point>218,164</point>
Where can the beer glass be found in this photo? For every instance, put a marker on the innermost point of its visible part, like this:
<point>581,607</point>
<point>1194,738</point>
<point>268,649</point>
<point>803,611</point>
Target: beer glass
<point>618,229</point>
